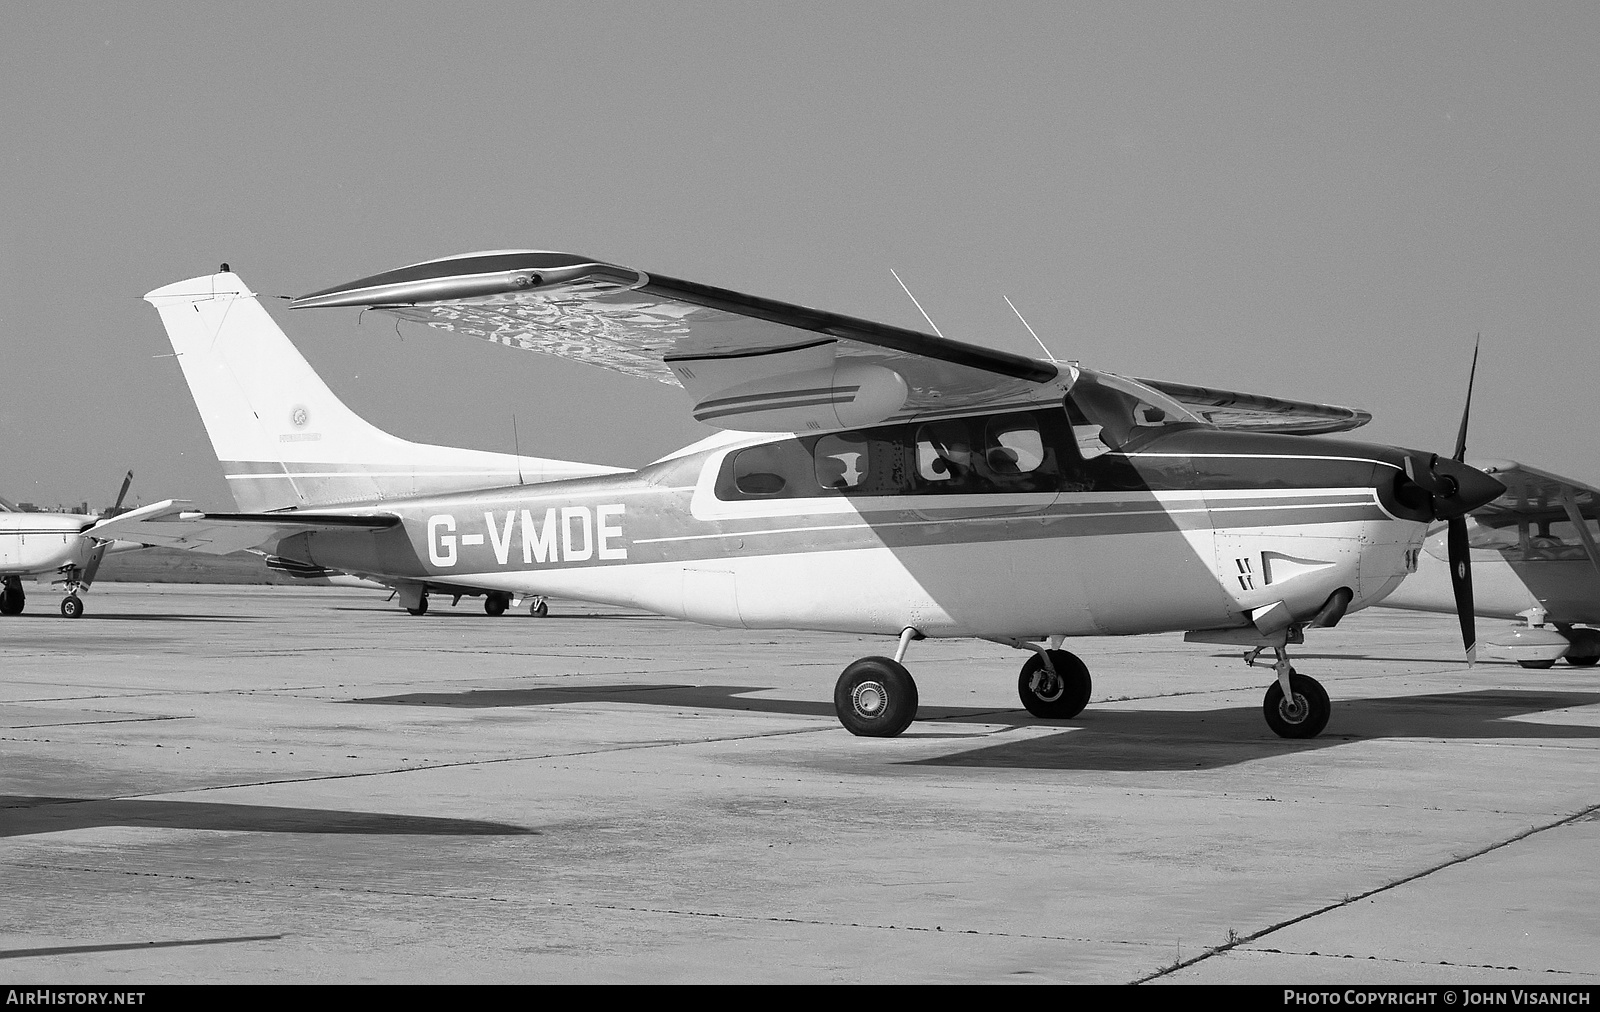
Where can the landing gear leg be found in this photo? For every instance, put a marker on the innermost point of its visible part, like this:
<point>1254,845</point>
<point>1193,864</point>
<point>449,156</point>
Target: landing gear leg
<point>1054,684</point>
<point>1296,705</point>
<point>12,597</point>
<point>876,697</point>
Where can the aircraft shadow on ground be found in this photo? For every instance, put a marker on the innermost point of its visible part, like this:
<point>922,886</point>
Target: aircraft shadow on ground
<point>112,616</point>
<point>1110,739</point>
<point>26,816</point>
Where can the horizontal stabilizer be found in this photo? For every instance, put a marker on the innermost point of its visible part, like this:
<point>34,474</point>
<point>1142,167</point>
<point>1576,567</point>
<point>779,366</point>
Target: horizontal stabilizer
<point>171,524</point>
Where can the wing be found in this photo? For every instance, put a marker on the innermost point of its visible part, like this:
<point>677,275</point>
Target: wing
<point>749,363</point>
<point>174,524</point>
<point>1228,409</point>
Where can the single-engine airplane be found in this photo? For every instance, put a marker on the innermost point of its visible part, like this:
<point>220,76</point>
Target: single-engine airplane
<point>68,546</point>
<point>1534,558</point>
<point>871,479</point>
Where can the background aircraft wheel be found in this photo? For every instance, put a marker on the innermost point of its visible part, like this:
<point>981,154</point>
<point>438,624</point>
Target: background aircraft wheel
<point>1306,717</point>
<point>422,606</point>
<point>1061,698</point>
<point>1537,664</point>
<point>1582,662</point>
<point>496,604</point>
<point>875,698</point>
<point>540,609</point>
<point>71,606</point>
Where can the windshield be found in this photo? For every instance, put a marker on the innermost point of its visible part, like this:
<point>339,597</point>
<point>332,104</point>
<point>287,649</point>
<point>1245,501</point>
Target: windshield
<point>1107,412</point>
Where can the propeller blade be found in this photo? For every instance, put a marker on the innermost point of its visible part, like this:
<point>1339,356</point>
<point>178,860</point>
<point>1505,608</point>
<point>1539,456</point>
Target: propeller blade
<point>98,553</point>
<point>124,493</point>
<point>1461,583</point>
<point>1461,434</point>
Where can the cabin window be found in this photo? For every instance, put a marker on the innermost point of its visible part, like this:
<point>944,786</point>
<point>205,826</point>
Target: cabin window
<point>1020,451</point>
<point>842,461</point>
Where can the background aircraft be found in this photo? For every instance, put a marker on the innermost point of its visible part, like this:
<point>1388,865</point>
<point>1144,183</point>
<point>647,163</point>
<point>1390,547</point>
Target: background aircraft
<point>67,546</point>
<point>936,488</point>
<point>1534,557</point>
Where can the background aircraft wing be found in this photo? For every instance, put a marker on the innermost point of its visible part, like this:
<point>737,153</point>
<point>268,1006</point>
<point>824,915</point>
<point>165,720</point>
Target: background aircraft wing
<point>749,362</point>
<point>1537,496</point>
<point>174,523</point>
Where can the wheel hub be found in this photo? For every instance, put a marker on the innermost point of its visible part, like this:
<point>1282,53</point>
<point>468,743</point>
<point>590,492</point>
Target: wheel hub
<point>1048,687</point>
<point>869,698</point>
<point>1294,709</point>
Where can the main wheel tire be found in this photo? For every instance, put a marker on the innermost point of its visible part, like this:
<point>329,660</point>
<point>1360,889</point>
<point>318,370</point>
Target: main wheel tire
<point>12,600</point>
<point>71,606</point>
<point>1536,665</point>
<point>1585,649</point>
<point>1061,701</point>
<point>496,604</point>
<point>1306,716</point>
<point>876,698</point>
<point>421,608</point>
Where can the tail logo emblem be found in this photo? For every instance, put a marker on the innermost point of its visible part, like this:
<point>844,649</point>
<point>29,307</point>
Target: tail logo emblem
<point>298,417</point>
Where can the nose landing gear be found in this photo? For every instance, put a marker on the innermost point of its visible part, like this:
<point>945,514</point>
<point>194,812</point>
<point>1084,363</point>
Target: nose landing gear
<point>1296,705</point>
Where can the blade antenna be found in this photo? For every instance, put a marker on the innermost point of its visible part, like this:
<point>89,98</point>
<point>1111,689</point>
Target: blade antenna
<point>1025,323</point>
<point>914,302</point>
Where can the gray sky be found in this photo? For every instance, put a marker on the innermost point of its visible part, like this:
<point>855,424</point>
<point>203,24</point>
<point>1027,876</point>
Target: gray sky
<point>1320,201</point>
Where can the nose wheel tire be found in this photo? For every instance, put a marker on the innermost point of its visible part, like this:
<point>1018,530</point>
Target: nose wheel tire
<point>539,609</point>
<point>1304,715</point>
<point>1059,697</point>
<point>71,606</point>
<point>875,698</point>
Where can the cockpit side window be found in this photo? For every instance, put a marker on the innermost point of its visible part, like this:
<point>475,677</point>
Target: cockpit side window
<point>781,470</point>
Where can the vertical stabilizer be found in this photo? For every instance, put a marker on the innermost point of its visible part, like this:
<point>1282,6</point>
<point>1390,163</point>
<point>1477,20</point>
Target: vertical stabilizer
<point>284,439</point>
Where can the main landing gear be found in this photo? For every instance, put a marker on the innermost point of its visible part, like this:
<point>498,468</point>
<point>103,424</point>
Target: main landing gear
<point>1296,705</point>
<point>12,598</point>
<point>876,697</point>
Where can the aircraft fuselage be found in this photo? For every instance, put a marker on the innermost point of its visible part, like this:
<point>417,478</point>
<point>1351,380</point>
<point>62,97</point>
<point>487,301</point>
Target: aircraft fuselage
<point>42,542</point>
<point>917,525</point>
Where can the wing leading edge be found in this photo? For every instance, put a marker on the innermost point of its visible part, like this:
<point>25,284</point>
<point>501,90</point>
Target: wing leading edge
<point>749,362</point>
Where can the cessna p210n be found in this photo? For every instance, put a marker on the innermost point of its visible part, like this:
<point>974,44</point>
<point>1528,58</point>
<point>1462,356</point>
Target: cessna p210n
<point>870,480</point>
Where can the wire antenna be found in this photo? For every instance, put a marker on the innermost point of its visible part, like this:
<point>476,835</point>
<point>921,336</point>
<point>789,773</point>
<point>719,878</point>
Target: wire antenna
<point>914,302</point>
<point>1025,323</point>
<point>516,444</point>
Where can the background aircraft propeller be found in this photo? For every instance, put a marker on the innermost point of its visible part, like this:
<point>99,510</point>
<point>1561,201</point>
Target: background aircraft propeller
<point>99,551</point>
